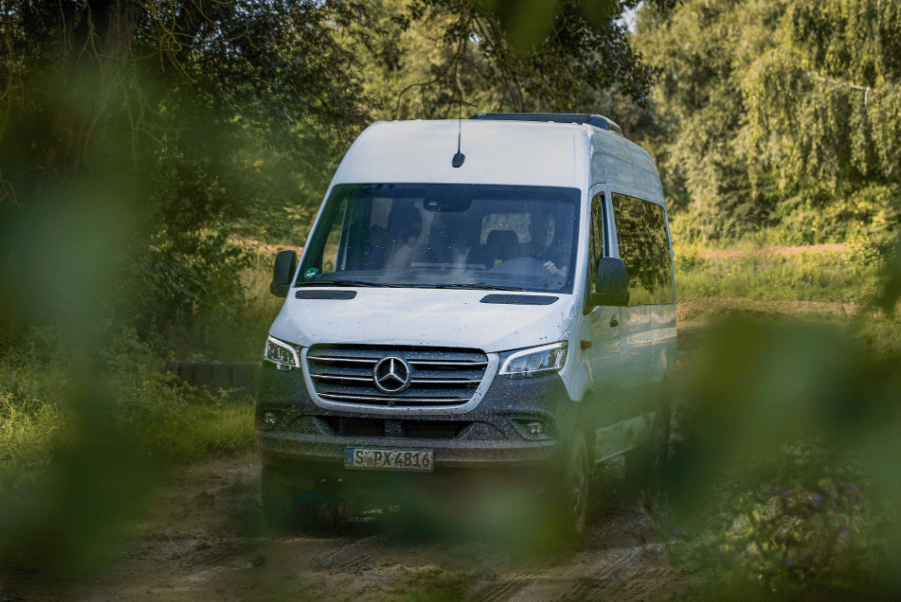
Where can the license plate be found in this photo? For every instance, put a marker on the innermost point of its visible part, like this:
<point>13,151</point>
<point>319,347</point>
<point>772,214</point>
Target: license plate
<point>417,460</point>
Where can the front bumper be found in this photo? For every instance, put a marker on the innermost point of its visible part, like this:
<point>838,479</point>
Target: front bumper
<point>308,439</point>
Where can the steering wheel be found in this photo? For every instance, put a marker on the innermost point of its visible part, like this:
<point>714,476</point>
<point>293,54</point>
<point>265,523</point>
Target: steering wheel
<point>521,266</point>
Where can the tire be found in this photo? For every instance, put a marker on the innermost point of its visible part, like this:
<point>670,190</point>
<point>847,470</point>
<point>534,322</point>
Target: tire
<point>647,461</point>
<point>279,502</point>
<point>288,509</point>
<point>572,494</point>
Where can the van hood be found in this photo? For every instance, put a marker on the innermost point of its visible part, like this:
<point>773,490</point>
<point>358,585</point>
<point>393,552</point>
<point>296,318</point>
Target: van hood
<point>433,317</point>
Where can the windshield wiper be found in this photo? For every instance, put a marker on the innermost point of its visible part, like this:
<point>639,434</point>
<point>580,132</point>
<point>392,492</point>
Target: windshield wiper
<point>472,285</point>
<point>359,283</point>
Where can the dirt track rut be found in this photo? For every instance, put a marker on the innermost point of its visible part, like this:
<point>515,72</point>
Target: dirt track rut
<point>204,540</point>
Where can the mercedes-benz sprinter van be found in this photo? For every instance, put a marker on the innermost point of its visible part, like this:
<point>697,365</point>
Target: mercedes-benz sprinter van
<point>476,295</point>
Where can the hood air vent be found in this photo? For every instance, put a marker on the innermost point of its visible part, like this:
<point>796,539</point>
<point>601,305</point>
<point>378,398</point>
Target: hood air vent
<point>519,299</point>
<point>326,294</point>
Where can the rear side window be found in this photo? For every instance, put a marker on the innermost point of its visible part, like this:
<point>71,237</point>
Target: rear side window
<point>597,238</point>
<point>644,247</point>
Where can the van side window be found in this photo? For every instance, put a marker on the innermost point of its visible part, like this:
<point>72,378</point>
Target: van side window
<point>644,247</point>
<point>597,238</point>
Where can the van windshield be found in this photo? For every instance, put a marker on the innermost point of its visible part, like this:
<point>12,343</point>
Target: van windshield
<point>445,235</point>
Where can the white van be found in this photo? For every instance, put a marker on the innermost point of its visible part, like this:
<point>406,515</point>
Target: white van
<point>478,295</point>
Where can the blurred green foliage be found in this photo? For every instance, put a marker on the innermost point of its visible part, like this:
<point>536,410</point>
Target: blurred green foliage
<point>141,144</point>
<point>80,452</point>
<point>783,481</point>
<point>798,524</point>
<point>785,486</point>
<point>166,417</point>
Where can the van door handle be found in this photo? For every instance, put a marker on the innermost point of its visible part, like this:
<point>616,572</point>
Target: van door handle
<point>614,322</point>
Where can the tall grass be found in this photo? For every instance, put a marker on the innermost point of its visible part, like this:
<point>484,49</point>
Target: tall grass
<point>169,420</point>
<point>166,418</point>
<point>816,275</point>
<point>27,438</point>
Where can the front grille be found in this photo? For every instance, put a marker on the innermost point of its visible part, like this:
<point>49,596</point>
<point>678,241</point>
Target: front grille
<point>439,376</point>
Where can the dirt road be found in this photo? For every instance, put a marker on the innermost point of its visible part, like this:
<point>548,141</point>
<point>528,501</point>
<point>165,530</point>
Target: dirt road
<point>204,540</point>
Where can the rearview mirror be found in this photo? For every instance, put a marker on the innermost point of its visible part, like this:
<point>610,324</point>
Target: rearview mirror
<point>612,284</point>
<point>285,265</point>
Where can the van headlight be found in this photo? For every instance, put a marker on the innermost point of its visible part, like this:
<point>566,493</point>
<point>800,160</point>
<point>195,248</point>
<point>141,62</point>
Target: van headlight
<point>536,361</point>
<point>282,354</point>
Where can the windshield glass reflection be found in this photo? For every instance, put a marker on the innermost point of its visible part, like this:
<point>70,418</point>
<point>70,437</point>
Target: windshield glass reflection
<point>445,235</point>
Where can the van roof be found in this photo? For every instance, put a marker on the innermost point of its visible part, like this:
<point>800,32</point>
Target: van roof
<point>598,121</point>
<point>497,152</point>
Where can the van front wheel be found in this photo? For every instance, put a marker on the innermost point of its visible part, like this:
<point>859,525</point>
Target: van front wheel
<point>572,497</point>
<point>280,505</point>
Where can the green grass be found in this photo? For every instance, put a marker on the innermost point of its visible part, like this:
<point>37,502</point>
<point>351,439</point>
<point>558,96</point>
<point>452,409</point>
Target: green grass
<point>839,276</point>
<point>195,435</point>
<point>27,438</point>
<point>180,423</point>
<point>168,420</point>
<point>40,404</point>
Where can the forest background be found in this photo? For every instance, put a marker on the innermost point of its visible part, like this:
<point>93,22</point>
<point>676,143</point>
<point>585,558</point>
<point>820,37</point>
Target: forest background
<point>143,145</point>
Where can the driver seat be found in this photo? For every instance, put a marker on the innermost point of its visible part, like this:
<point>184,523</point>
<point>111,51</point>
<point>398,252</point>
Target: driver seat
<point>499,247</point>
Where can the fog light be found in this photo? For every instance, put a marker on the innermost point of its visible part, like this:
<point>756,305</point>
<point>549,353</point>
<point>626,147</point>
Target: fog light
<point>535,428</point>
<point>270,418</point>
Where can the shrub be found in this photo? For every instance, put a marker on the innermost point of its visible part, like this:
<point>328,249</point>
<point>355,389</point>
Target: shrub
<point>801,523</point>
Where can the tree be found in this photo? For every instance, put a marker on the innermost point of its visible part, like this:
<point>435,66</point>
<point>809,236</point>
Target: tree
<point>703,50</point>
<point>177,114</point>
<point>784,116</point>
<point>208,115</point>
<point>79,72</point>
<point>824,113</point>
<point>434,57</point>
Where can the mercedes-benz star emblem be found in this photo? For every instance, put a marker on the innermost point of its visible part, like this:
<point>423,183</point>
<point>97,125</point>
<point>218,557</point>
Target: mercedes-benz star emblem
<point>392,375</point>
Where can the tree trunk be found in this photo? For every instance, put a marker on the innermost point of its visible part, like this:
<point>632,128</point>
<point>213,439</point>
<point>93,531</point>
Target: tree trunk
<point>96,62</point>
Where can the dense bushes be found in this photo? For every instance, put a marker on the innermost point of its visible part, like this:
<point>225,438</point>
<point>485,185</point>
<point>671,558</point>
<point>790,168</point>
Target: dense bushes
<point>784,484</point>
<point>802,523</point>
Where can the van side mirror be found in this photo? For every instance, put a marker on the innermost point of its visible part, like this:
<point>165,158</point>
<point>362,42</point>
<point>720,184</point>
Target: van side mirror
<point>613,284</point>
<point>285,265</point>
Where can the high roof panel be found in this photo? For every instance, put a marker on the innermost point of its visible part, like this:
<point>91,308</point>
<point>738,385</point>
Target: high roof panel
<point>496,153</point>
